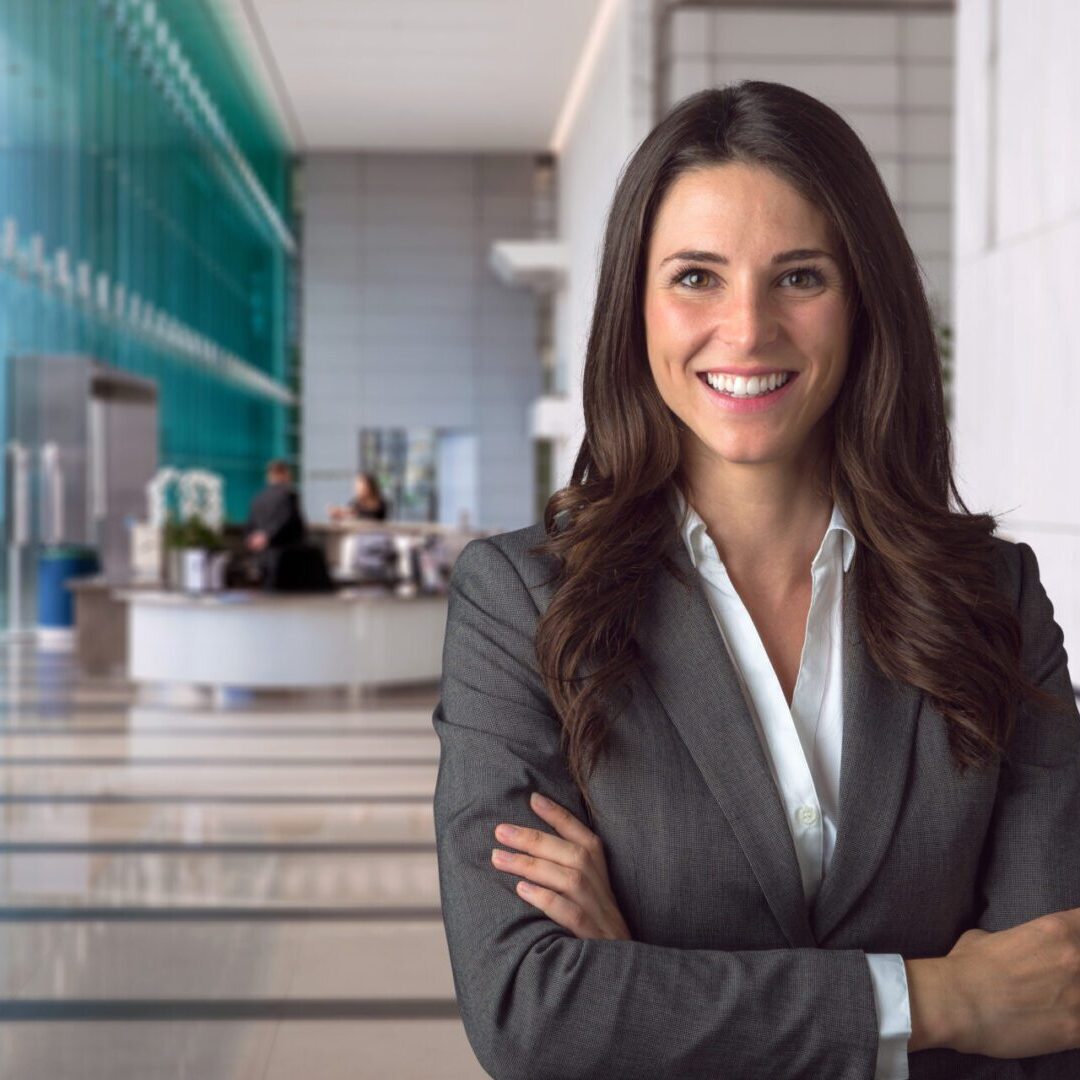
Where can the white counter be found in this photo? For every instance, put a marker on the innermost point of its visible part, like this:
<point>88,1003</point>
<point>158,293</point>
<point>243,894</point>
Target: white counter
<point>262,640</point>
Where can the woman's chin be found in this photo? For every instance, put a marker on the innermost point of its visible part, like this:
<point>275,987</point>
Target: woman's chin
<point>721,456</point>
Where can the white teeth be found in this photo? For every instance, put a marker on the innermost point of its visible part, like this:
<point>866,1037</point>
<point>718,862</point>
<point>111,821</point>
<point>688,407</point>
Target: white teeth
<point>741,386</point>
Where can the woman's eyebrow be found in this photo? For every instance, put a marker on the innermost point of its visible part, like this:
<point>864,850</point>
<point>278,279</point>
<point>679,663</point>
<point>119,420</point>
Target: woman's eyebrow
<point>781,257</point>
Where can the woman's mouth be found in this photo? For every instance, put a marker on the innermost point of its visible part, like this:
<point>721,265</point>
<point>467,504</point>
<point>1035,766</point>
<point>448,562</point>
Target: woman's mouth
<point>742,386</point>
<point>741,394</point>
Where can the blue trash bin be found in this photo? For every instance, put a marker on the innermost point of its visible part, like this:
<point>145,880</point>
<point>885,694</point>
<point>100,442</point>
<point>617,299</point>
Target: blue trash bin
<point>56,566</point>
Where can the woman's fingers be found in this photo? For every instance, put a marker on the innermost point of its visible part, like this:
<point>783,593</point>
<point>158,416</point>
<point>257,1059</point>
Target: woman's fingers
<point>576,846</point>
<point>563,822</point>
<point>567,875</point>
<point>544,880</point>
<point>567,913</point>
<point>566,895</point>
<point>565,879</point>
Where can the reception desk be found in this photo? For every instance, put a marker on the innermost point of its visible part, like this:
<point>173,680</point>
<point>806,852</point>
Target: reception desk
<point>258,640</point>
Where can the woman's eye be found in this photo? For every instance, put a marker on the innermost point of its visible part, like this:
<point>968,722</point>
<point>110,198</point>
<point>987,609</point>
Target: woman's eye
<point>694,278</point>
<point>809,278</point>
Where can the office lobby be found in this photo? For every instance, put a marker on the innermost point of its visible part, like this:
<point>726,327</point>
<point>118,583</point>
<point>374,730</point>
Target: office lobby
<point>328,269</point>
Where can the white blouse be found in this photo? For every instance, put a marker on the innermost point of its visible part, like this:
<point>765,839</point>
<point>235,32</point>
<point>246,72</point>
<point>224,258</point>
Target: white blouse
<point>802,742</point>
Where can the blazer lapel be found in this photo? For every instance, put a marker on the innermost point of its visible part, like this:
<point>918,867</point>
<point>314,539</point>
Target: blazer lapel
<point>880,718</point>
<point>687,665</point>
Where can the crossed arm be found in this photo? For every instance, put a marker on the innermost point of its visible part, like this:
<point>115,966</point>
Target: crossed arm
<point>538,1001</point>
<point>1012,987</point>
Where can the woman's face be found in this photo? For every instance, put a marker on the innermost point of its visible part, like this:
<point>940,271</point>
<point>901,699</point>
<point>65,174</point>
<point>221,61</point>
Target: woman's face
<point>744,278</point>
<point>361,487</point>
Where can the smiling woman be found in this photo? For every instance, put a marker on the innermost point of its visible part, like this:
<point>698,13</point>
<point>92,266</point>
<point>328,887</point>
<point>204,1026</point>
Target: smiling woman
<point>805,724</point>
<point>756,310</point>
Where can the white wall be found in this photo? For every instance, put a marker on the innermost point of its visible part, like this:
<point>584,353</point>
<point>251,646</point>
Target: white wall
<point>404,323</point>
<point>614,116</point>
<point>1017,232</point>
<point>889,75</point>
<point>458,479</point>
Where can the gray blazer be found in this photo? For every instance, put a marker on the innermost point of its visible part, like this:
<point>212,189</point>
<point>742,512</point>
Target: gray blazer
<point>728,974</point>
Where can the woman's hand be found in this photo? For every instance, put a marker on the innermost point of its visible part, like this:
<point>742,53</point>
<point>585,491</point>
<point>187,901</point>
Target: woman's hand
<point>1010,994</point>
<point>567,874</point>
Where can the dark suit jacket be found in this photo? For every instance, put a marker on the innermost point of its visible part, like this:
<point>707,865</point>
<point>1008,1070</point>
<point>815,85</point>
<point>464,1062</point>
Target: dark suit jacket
<point>276,512</point>
<point>729,975</point>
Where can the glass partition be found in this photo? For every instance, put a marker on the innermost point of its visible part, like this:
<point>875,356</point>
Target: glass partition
<point>145,222</point>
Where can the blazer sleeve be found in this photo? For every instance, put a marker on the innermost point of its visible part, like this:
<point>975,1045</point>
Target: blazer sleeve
<point>1031,862</point>
<point>537,1002</point>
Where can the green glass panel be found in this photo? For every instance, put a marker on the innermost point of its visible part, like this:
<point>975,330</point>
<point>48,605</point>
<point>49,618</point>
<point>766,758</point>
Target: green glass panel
<point>144,219</point>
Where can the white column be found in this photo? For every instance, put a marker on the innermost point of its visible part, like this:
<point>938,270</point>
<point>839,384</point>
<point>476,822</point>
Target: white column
<point>1017,194</point>
<point>611,118</point>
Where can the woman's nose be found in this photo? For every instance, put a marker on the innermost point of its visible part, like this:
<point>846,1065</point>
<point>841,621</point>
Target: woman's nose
<point>746,321</point>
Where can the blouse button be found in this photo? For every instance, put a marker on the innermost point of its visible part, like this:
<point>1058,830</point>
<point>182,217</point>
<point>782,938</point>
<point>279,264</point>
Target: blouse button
<point>806,815</point>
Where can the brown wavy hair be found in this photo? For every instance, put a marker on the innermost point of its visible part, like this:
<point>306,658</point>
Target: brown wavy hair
<point>929,611</point>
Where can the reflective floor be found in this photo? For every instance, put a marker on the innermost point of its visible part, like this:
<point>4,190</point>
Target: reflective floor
<point>218,894</point>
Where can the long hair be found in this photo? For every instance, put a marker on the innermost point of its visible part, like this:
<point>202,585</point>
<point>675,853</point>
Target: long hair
<point>373,486</point>
<point>929,611</point>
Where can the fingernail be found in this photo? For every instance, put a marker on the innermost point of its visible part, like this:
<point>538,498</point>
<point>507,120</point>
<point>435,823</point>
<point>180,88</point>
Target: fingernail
<point>506,832</point>
<point>524,886</point>
<point>540,802</point>
<point>499,855</point>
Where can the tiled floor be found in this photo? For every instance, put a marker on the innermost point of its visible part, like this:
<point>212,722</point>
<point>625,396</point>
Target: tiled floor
<point>218,894</point>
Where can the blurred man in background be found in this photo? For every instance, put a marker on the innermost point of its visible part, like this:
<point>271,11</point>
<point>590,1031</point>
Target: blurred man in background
<point>275,521</point>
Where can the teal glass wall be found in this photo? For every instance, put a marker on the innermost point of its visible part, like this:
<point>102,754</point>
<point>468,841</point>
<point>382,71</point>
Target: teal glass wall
<point>145,220</point>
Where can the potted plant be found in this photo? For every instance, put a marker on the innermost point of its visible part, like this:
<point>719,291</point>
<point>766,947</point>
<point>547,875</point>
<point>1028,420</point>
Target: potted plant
<point>189,545</point>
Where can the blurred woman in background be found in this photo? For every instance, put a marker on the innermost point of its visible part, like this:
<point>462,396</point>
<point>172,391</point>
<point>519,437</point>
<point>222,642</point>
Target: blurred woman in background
<point>367,503</point>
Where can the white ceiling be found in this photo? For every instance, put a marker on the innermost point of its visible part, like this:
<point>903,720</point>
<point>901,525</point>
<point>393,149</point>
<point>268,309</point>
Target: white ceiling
<point>466,75</point>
